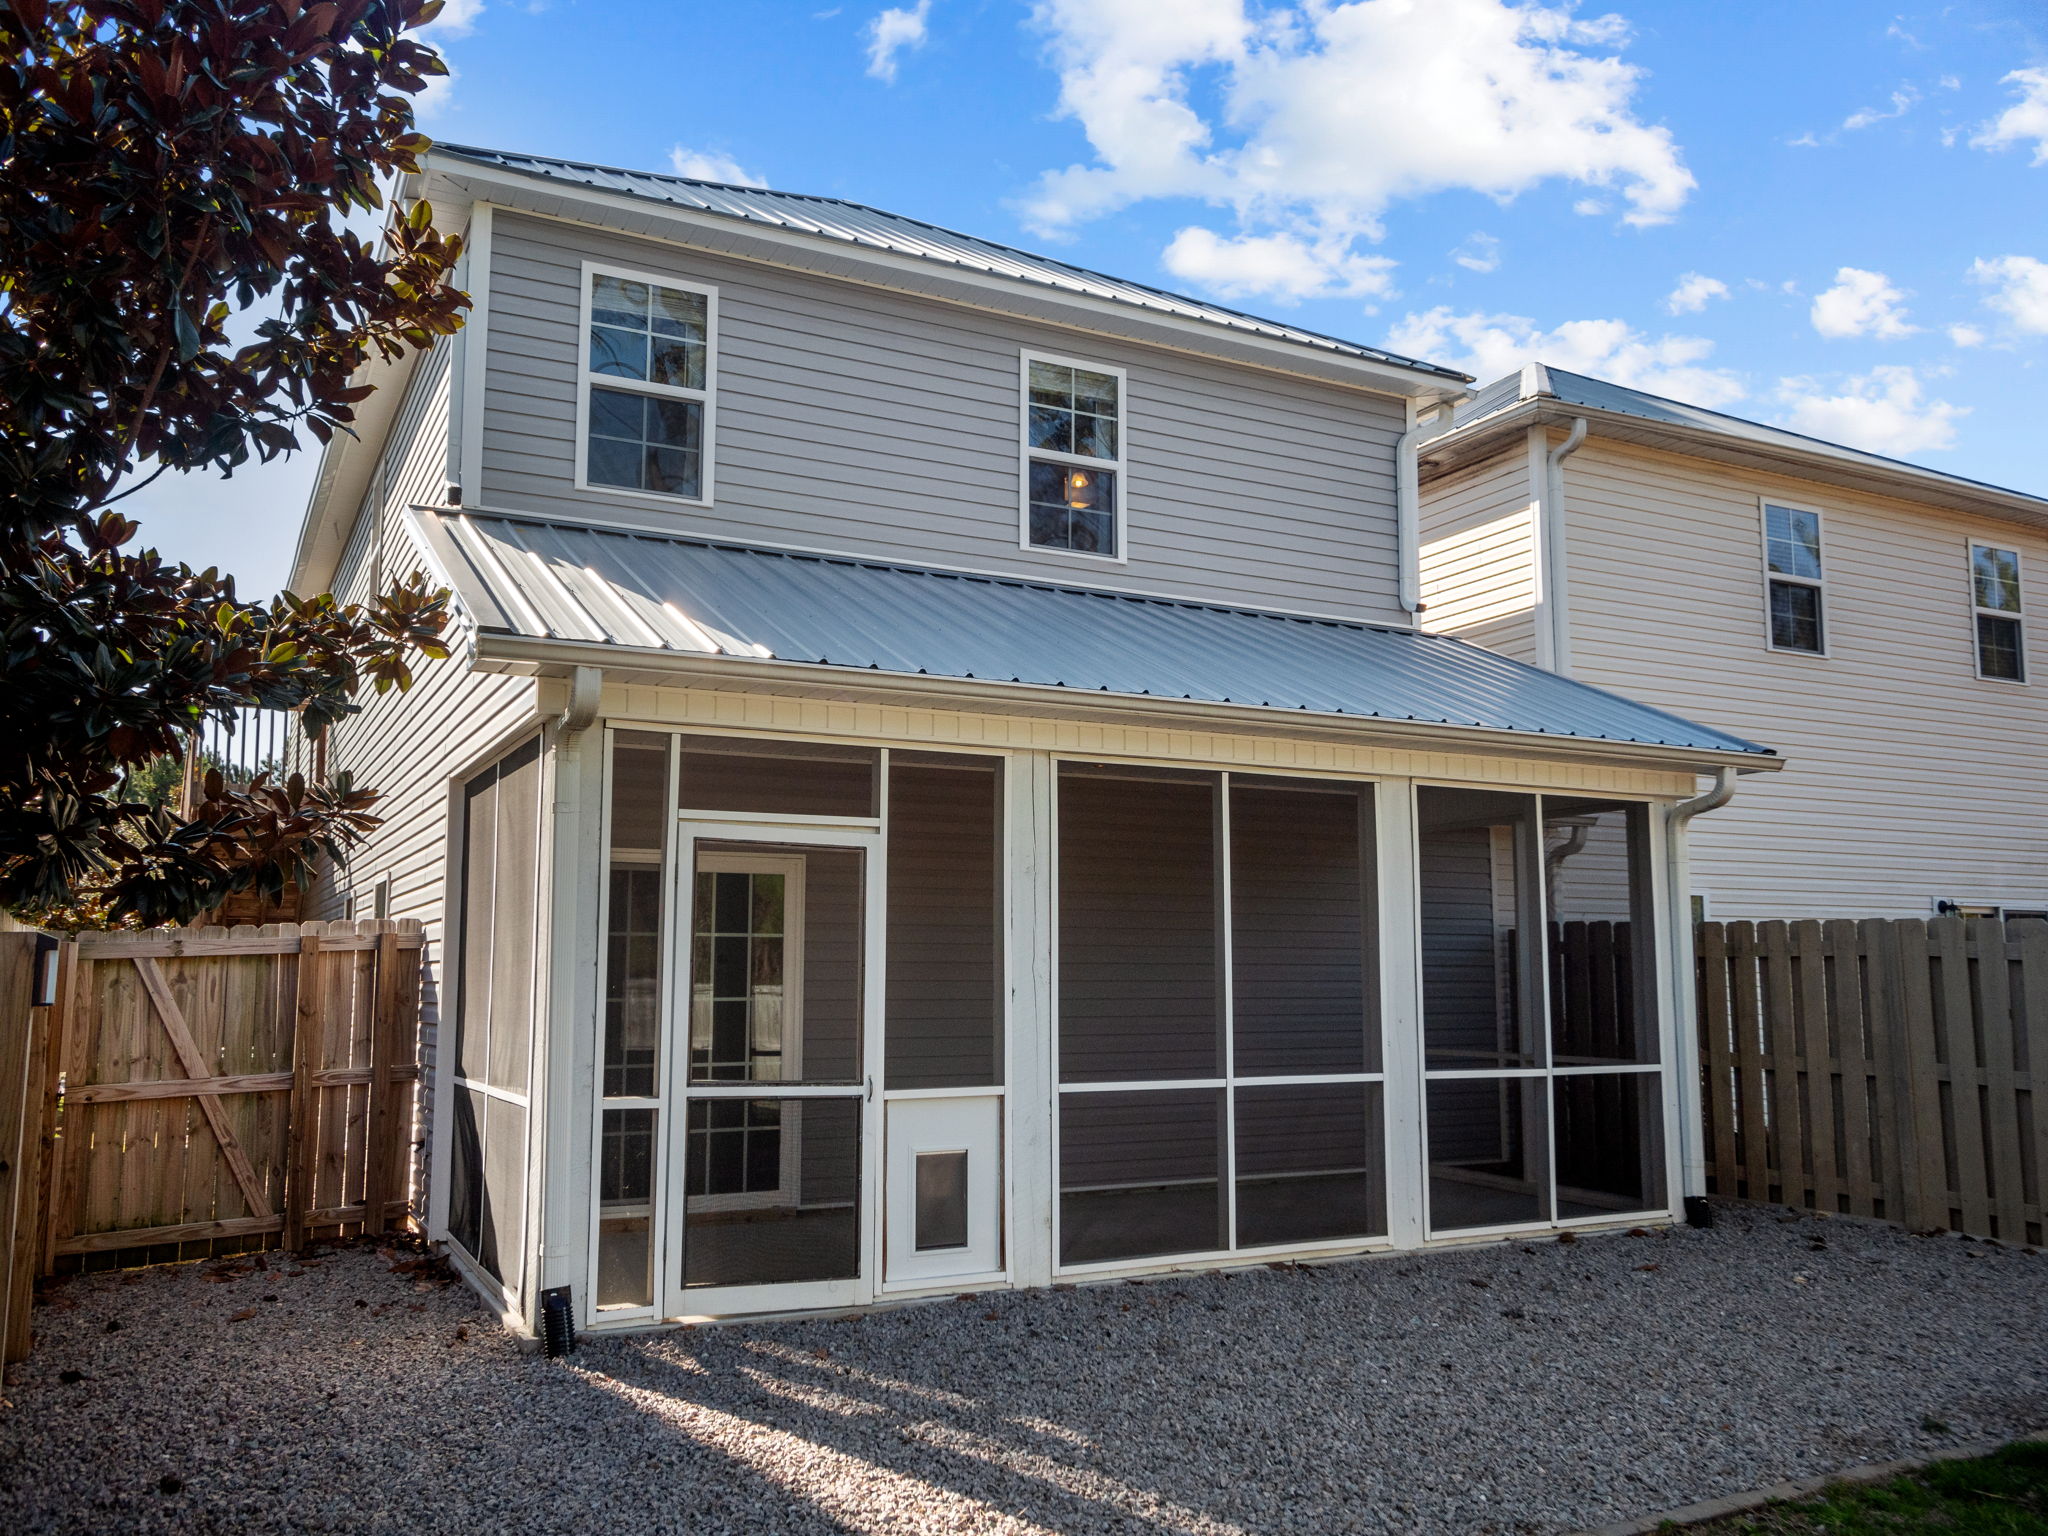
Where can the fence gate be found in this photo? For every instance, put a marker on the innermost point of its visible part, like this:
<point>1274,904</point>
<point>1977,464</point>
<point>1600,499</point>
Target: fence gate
<point>230,1087</point>
<point>1880,1068</point>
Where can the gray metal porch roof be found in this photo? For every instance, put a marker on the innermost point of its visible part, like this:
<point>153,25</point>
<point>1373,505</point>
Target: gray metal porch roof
<point>545,580</point>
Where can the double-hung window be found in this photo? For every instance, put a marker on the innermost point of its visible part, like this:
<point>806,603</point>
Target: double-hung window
<point>1794,579</point>
<point>1073,456</point>
<point>1995,599</point>
<point>647,379</point>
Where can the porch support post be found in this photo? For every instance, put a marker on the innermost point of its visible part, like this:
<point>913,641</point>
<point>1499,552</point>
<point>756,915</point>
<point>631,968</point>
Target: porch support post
<point>1671,864</point>
<point>565,1052</point>
<point>1401,1009</point>
<point>1032,1092</point>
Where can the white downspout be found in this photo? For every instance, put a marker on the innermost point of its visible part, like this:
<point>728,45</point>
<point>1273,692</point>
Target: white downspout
<point>1692,1154</point>
<point>1556,595</point>
<point>1408,500</point>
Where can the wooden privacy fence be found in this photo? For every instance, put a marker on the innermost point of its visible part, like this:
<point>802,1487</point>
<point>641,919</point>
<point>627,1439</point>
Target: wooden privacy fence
<point>229,1087</point>
<point>1880,1068</point>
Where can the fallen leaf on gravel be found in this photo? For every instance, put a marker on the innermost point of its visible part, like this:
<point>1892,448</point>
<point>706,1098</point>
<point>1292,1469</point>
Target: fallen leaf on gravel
<point>1638,1231</point>
<point>242,1316</point>
<point>169,1484</point>
<point>822,1352</point>
<point>70,1378</point>
<point>113,1325</point>
<point>991,1317</point>
<point>1482,1284</point>
<point>1646,1269</point>
<point>1567,1237</point>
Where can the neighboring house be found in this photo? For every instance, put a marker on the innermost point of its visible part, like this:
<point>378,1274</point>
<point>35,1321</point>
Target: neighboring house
<point>1873,620</point>
<point>939,786</point>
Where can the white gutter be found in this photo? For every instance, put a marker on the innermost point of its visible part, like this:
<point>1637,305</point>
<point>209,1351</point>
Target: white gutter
<point>1557,590</point>
<point>1408,500</point>
<point>1692,1152</point>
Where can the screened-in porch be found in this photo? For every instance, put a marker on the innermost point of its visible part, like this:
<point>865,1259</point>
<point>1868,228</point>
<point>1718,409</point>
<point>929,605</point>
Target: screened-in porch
<point>875,1020</point>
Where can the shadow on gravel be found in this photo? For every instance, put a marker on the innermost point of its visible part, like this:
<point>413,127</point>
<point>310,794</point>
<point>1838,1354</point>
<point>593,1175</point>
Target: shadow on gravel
<point>1515,1388</point>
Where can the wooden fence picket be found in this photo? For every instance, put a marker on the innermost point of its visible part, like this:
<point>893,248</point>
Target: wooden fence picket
<point>1880,1068</point>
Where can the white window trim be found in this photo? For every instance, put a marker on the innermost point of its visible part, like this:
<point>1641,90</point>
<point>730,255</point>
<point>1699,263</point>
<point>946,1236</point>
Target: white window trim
<point>1763,531</point>
<point>1119,466</point>
<point>1977,610</point>
<point>585,379</point>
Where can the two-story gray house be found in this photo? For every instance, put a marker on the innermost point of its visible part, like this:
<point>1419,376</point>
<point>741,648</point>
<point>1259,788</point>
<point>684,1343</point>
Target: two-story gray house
<point>942,787</point>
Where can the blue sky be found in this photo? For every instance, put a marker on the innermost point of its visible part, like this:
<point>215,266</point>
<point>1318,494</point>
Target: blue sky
<point>1829,214</point>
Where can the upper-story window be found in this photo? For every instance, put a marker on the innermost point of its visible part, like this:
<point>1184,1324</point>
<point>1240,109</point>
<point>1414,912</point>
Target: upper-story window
<point>1073,457</point>
<point>1794,579</point>
<point>1995,596</point>
<point>648,369</point>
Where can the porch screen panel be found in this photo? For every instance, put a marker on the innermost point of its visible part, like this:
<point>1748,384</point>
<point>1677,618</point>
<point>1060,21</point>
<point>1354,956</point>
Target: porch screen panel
<point>1488,1152</point>
<point>1311,1163</point>
<point>796,1221</point>
<point>785,778</point>
<point>1140,942</point>
<point>499,911</point>
<point>944,983</point>
<point>1141,1174</point>
<point>1601,960</point>
<point>1481,1006</point>
<point>1304,983</point>
<point>515,886</point>
<point>1610,1143</point>
<point>630,1116</point>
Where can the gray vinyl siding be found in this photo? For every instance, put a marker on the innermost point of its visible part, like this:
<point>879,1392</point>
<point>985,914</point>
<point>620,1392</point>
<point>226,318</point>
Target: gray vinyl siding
<point>1909,778</point>
<point>860,419</point>
<point>412,746</point>
<point>1478,556</point>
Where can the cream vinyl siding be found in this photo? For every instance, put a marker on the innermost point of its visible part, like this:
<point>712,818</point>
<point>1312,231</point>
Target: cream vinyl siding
<point>1478,559</point>
<point>1910,779</point>
<point>857,419</point>
<point>411,745</point>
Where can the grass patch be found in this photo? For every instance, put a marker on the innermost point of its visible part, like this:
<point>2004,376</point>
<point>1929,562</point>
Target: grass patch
<point>2003,1494</point>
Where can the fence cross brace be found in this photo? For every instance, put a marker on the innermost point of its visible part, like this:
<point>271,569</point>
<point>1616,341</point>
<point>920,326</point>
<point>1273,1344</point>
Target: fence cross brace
<point>195,1067</point>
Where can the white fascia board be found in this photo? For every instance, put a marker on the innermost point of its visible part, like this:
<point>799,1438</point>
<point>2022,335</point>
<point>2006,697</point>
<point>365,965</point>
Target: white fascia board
<point>347,464</point>
<point>498,651</point>
<point>853,263</point>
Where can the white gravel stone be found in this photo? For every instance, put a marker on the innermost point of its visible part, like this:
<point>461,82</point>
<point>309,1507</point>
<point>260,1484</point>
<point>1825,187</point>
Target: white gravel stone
<point>1519,1388</point>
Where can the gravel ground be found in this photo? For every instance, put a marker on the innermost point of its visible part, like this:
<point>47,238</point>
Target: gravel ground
<point>1536,1387</point>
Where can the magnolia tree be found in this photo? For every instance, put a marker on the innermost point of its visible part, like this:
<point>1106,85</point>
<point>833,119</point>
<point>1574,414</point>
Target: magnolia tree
<point>167,166</point>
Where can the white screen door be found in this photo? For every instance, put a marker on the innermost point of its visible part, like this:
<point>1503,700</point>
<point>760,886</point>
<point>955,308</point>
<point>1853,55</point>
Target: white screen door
<point>776,941</point>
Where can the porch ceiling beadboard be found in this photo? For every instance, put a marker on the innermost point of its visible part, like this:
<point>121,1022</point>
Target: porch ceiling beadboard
<point>570,582</point>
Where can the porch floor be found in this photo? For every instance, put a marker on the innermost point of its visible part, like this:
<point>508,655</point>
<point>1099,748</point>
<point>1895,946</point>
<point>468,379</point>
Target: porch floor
<point>1517,1387</point>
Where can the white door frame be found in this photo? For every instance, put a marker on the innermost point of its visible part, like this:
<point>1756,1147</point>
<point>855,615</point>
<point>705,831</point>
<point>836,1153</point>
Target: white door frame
<point>675,1299</point>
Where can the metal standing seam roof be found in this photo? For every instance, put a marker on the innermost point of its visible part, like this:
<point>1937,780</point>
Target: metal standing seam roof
<point>567,581</point>
<point>835,218</point>
<point>1579,389</point>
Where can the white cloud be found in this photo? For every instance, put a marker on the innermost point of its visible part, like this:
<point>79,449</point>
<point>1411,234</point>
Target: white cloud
<point>1966,335</point>
<point>457,19</point>
<point>2019,287</point>
<point>1903,101</point>
<point>896,30</point>
<point>1481,253</point>
<point>1283,267</point>
<point>1882,410</point>
<point>1313,118</point>
<point>1692,293</point>
<point>2025,119</point>
<point>1861,304</point>
<point>712,165</point>
<point>1488,346</point>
